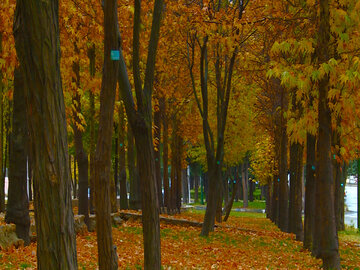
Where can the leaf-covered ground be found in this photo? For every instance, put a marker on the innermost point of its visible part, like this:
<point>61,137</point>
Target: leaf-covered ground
<point>246,242</point>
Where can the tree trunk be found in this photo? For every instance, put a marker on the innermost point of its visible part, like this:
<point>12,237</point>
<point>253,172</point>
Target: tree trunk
<point>196,187</point>
<point>157,138</point>
<point>80,152</point>
<point>226,188</point>
<point>185,186</point>
<point>267,199</point>
<point>135,189</point>
<point>74,180</point>
<point>29,170</point>
<point>150,207</point>
<point>116,156</point>
<point>2,175</point>
<point>91,55</point>
<point>165,153</point>
<point>36,32</point>
<point>140,119</point>
<point>339,189</point>
<point>179,172</point>
<point>309,192</point>
<point>245,186</point>
<point>231,201</point>
<point>325,227</point>
<point>107,256</point>
<point>18,205</point>
<point>295,201</point>
<point>275,200</point>
<point>122,161</point>
<point>214,177</point>
<point>283,184</point>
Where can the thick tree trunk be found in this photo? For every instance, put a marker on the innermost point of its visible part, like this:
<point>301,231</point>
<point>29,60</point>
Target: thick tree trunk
<point>36,32</point>
<point>122,161</point>
<point>157,138</point>
<point>295,198</point>
<point>18,205</point>
<point>214,178</point>
<point>107,256</point>
<point>325,227</point>
<point>150,209</point>
<point>309,221</point>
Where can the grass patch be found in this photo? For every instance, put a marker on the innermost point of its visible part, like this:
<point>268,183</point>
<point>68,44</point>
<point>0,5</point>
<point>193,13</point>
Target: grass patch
<point>350,234</point>
<point>256,204</point>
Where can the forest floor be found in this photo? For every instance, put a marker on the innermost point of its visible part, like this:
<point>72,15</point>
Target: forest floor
<point>245,241</point>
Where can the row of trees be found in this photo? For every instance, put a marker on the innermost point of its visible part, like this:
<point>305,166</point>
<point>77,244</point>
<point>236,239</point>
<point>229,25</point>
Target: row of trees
<point>221,84</point>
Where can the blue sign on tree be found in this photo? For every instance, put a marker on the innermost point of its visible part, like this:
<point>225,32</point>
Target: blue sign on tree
<point>115,55</point>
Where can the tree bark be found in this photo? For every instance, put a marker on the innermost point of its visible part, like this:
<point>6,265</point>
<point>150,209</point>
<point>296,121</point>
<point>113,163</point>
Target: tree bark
<point>2,175</point>
<point>275,200</point>
<point>122,161</point>
<point>295,198</point>
<point>196,187</point>
<point>309,221</point>
<point>245,186</point>
<point>18,204</point>
<point>36,32</point>
<point>107,256</point>
<point>283,184</point>
<point>228,207</point>
<point>185,186</point>
<point>135,188</point>
<point>165,153</point>
<point>157,138</point>
<point>80,152</point>
<point>74,180</point>
<point>91,56</point>
<point>325,227</point>
<point>140,119</point>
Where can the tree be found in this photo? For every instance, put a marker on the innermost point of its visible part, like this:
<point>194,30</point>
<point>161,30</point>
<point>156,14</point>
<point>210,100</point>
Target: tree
<point>107,255</point>
<point>327,247</point>
<point>36,31</point>
<point>17,211</point>
<point>140,120</point>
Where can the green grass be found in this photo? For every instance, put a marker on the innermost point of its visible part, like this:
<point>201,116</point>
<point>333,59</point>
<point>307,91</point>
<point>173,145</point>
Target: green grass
<point>350,234</point>
<point>256,204</point>
<point>234,214</point>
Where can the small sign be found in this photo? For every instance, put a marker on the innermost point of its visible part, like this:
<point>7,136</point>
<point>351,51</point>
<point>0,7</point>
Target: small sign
<point>115,55</point>
<point>218,162</point>
<point>121,145</point>
<point>313,167</point>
